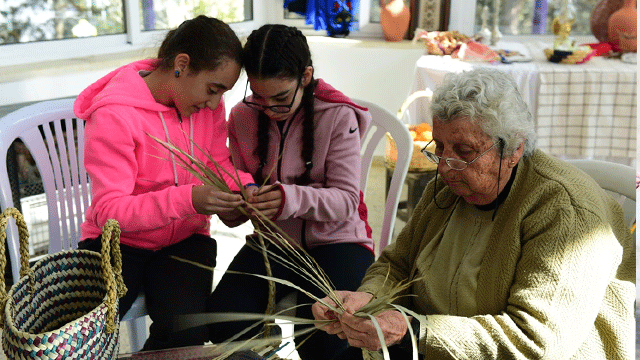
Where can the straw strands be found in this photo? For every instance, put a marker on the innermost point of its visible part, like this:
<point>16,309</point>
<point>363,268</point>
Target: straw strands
<point>296,259</point>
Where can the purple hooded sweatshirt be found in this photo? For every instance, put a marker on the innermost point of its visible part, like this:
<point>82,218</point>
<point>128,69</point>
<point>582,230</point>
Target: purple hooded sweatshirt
<point>328,210</point>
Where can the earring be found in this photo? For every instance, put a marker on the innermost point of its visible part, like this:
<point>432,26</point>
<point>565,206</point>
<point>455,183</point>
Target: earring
<point>177,72</point>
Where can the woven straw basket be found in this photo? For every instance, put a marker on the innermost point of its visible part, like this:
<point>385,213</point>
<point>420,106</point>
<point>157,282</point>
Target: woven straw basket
<point>66,305</point>
<point>568,57</point>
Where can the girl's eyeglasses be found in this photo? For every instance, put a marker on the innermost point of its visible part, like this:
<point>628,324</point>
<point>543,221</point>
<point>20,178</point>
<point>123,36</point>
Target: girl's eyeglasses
<point>281,109</point>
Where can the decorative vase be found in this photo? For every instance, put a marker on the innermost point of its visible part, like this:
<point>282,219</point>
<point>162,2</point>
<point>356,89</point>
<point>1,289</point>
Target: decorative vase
<point>600,17</point>
<point>623,28</point>
<point>484,33</point>
<point>394,19</point>
<point>496,35</point>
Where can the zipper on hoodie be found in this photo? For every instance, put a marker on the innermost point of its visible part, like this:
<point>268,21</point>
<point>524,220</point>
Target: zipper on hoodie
<point>283,134</point>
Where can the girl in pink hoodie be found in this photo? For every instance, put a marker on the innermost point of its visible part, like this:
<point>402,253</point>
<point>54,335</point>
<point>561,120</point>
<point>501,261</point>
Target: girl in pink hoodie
<point>303,137</point>
<point>163,210</point>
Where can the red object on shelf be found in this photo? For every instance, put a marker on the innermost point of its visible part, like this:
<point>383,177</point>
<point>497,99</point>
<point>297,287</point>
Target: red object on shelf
<point>603,48</point>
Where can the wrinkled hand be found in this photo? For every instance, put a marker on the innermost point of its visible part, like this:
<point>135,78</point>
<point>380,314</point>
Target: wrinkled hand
<point>352,302</point>
<point>209,200</point>
<point>361,332</point>
<point>267,199</point>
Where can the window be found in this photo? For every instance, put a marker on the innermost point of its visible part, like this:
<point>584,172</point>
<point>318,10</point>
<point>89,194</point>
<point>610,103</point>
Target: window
<point>28,28</point>
<point>167,14</point>
<point>23,21</point>
<point>517,16</point>
<point>525,17</point>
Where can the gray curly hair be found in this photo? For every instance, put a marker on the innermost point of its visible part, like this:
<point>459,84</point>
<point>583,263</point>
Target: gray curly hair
<point>492,100</point>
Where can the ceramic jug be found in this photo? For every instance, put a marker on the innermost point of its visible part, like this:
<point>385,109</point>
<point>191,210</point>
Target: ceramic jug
<point>600,17</point>
<point>623,28</point>
<point>394,19</point>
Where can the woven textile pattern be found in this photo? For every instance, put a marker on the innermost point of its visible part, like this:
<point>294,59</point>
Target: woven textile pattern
<point>587,113</point>
<point>64,317</point>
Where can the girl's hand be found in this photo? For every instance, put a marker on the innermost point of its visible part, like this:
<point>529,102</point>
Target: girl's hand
<point>209,200</point>
<point>267,199</point>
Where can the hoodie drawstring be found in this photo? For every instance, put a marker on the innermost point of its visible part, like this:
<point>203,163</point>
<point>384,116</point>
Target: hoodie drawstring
<point>173,158</point>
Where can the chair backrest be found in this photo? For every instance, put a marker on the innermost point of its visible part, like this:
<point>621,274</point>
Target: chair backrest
<point>55,139</point>
<point>384,121</point>
<point>617,179</point>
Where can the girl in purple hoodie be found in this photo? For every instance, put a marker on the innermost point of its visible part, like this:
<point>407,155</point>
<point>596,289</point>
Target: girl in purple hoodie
<point>302,137</point>
<point>163,210</point>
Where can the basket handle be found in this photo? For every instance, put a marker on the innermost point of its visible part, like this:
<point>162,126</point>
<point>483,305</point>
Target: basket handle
<point>23,233</point>
<point>112,276</point>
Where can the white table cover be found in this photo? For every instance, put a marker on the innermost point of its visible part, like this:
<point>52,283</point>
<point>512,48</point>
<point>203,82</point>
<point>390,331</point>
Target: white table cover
<point>582,111</point>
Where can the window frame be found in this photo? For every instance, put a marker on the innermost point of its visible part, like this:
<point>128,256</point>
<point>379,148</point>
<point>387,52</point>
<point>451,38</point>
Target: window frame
<point>133,39</point>
<point>264,11</point>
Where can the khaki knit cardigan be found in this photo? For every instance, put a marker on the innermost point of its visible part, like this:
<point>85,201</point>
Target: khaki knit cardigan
<point>557,280</point>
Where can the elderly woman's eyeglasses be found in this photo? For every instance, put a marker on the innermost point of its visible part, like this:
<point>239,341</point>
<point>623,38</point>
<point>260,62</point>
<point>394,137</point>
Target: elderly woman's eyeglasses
<point>455,164</point>
<point>281,109</point>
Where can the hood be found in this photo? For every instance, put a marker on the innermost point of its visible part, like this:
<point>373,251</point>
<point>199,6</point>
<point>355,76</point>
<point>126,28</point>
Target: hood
<point>332,97</point>
<point>122,86</point>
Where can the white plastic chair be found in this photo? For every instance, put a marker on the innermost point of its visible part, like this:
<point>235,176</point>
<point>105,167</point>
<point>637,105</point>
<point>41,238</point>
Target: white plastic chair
<point>617,179</point>
<point>384,121</point>
<point>55,138</point>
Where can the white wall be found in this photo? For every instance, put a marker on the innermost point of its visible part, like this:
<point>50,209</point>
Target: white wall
<point>372,70</point>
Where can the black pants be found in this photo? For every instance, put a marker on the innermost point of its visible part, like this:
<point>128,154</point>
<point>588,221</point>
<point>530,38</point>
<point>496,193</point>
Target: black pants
<point>345,265</point>
<point>171,287</point>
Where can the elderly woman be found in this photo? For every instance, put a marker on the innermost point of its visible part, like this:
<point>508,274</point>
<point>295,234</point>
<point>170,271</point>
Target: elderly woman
<point>513,254</point>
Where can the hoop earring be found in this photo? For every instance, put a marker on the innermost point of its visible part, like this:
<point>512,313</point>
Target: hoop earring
<point>177,73</point>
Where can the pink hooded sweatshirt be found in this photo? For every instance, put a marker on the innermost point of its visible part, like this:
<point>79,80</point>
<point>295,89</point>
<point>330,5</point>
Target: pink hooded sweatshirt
<point>327,210</point>
<point>133,178</point>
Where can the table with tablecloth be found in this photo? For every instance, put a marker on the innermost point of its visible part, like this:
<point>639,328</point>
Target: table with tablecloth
<point>584,110</point>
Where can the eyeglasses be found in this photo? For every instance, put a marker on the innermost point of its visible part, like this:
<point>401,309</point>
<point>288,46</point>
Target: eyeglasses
<point>281,109</point>
<point>455,164</point>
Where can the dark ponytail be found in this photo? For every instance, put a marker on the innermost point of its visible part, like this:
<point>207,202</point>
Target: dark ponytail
<point>280,51</point>
<point>208,42</point>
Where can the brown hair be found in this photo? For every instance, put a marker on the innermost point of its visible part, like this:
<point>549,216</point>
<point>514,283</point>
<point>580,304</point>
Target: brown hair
<point>280,51</point>
<point>208,42</point>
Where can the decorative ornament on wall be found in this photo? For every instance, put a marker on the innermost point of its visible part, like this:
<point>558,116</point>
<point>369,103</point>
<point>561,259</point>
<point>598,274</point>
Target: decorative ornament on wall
<point>429,18</point>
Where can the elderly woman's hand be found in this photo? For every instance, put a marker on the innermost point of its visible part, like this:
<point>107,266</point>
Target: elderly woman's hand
<point>352,302</point>
<point>361,332</point>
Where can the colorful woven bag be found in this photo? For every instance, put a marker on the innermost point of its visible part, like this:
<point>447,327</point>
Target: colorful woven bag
<point>66,305</point>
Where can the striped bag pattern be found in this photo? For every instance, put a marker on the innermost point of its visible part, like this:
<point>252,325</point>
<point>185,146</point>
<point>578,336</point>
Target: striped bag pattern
<point>66,305</point>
